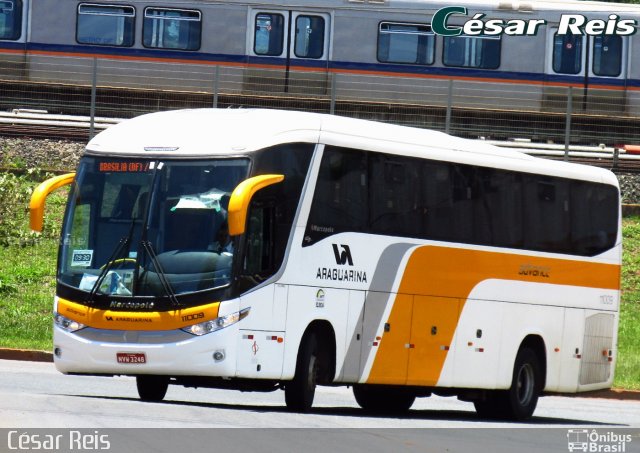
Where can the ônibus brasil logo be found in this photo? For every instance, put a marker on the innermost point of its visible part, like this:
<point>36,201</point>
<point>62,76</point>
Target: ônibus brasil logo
<point>595,442</point>
<point>568,24</point>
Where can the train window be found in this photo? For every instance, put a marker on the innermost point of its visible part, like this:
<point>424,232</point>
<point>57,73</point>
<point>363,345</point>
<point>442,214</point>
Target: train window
<point>472,52</point>
<point>309,37</point>
<point>269,34</point>
<point>406,43</point>
<point>10,19</point>
<point>105,25</point>
<point>172,28</point>
<point>607,55</point>
<point>567,54</point>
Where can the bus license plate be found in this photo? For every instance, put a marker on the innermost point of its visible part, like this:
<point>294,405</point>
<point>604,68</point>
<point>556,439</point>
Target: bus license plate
<point>131,358</point>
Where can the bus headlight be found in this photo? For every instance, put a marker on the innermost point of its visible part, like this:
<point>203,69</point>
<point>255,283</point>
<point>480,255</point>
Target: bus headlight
<point>66,324</point>
<point>207,327</point>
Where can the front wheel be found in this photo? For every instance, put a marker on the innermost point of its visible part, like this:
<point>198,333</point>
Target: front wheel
<point>152,388</point>
<point>299,393</point>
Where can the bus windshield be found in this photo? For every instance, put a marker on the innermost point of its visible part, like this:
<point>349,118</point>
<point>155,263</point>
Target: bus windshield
<point>137,227</point>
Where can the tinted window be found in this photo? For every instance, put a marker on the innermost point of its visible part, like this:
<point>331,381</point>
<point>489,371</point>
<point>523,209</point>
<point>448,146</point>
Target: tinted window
<point>567,54</point>
<point>340,198</point>
<point>405,43</point>
<point>269,34</point>
<point>105,25</point>
<point>10,19</point>
<point>309,38</point>
<point>394,197</point>
<point>594,214</point>
<point>460,203</point>
<point>546,218</point>
<point>607,55</point>
<point>472,52</point>
<point>172,29</point>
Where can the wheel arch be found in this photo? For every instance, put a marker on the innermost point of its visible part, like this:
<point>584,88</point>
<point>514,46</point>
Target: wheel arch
<point>326,338</point>
<point>536,343</point>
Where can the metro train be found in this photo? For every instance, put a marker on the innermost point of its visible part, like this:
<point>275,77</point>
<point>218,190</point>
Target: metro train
<point>374,52</point>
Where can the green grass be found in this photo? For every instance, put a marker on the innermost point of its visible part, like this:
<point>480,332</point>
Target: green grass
<point>27,268</point>
<point>27,286</point>
<point>628,368</point>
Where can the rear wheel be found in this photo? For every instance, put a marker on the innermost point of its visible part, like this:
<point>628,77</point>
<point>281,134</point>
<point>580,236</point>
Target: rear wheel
<point>520,401</point>
<point>299,393</point>
<point>152,388</point>
<point>383,399</point>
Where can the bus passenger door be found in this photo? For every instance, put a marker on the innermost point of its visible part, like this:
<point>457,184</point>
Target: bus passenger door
<point>288,52</point>
<point>352,365</point>
<point>385,337</point>
<point>433,325</point>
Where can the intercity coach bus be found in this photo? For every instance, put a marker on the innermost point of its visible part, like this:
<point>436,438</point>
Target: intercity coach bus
<point>263,249</point>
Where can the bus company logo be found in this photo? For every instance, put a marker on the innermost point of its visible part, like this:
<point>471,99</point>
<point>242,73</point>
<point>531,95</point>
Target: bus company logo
<point>122,319</point>
<point>342,257</point>
<point>595,442</point>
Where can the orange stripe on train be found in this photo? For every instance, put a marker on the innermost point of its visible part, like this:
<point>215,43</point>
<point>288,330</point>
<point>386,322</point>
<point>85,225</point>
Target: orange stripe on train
<point>440,280</point>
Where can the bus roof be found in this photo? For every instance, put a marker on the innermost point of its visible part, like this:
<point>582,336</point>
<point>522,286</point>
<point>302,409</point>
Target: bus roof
<point>202,133</point>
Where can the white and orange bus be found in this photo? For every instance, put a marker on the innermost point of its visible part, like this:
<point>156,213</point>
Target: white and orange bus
<point>263,249</point>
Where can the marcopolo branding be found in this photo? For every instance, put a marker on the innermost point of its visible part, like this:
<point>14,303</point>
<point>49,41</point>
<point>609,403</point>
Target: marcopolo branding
<point>568,24</point>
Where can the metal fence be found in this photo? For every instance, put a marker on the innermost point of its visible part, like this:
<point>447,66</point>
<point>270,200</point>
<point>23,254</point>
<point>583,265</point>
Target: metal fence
<point>117,88</point>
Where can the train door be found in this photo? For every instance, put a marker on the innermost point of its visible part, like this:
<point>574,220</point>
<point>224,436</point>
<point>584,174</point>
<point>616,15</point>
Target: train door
<point>288,52</point>
<point>607,69</point>
<point>13,39</point>
<point>596,68</point>
<point>565,65</point>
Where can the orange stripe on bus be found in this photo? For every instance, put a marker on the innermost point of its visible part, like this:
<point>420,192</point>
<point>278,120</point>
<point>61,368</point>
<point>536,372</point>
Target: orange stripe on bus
<point>127,320</point>
<point>441,279</point>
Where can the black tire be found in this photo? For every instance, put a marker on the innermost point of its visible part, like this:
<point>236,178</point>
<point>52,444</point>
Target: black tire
<point>299,392</point>
<point>152,388</point>
<point>520,401</point>
<point>380,399</point>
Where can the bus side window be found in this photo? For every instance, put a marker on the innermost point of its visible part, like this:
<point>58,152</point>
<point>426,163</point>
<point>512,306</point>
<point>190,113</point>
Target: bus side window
<point>259,259</point>
<point>340,199</point>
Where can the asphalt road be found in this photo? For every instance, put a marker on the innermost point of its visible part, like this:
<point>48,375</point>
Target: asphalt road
<point>34,395</point>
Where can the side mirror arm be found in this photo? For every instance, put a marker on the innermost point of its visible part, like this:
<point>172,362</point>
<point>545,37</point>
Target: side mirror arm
<point>241,197</point>
<point>39,196</point>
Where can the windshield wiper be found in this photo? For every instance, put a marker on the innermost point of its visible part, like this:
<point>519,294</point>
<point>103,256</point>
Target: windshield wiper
<point>112,259</point>
<point>148,247</point>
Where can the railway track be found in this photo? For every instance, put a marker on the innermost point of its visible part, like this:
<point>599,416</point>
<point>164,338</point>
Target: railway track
<point>40,124</point>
